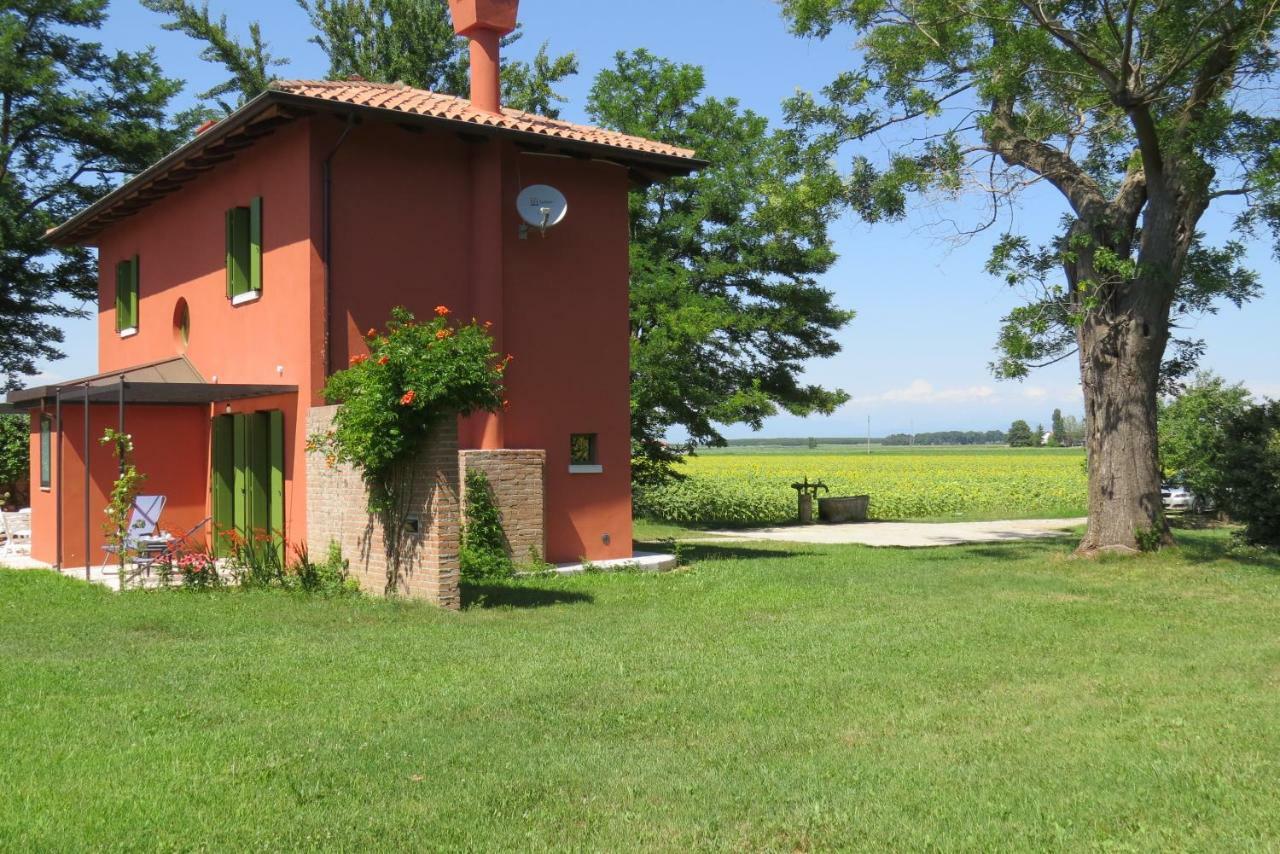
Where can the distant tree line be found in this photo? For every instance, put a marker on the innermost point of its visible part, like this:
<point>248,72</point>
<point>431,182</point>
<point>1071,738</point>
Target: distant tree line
<point>948,437</point>
<point>811,442</point>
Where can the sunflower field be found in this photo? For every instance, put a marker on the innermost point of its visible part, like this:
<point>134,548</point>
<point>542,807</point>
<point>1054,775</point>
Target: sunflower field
<point>743,486</point>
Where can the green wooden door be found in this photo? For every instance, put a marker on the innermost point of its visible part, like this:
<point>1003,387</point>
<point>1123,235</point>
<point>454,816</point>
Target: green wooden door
<point>222,483</point>
<point>248,476</point>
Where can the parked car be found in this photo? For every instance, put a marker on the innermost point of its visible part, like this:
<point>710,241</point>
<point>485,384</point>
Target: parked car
<point>1178,496</point>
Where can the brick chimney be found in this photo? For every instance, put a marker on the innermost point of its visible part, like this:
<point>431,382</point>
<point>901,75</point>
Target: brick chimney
<point>485,22</point>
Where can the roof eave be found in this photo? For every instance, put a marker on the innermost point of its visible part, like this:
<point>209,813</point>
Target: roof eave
<point>64,234</point>
<point>677,165</point>
<point>73,232</point>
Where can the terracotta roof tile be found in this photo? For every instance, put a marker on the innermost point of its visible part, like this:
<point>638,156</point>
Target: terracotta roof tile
<point>406,99</point>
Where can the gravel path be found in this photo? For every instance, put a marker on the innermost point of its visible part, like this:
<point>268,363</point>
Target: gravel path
<point>909,534</point>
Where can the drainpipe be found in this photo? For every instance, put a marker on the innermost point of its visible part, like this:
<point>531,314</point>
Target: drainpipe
<point>485,22</point>
<point>327,205</point>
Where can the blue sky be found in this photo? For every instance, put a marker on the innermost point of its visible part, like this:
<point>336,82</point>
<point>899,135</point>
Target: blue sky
<point>917,354</point>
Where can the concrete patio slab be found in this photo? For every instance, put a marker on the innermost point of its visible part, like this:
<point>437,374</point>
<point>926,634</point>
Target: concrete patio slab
<point>906,534</point>
<point>639,562</point>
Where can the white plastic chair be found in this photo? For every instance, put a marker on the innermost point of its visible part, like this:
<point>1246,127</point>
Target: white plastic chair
<point>17,533</point>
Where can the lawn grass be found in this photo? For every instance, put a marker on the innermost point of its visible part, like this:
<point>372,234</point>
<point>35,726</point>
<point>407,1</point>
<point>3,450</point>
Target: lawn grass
<point>767,697</point>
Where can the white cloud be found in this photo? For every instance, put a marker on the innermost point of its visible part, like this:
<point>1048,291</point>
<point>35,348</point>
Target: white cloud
<point>923,391</point>
<point>1035,392</point>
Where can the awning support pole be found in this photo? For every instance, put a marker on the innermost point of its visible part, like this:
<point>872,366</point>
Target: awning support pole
<point>87,562</point>
<point>57,408</point>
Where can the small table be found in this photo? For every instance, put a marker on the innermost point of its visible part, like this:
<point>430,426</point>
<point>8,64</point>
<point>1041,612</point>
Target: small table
<point>148,550</point>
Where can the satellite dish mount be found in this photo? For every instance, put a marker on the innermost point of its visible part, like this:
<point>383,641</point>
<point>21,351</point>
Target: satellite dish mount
<point>542,207</point>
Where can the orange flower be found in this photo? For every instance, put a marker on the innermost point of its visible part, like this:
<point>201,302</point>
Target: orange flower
<point>443,334</point>
<point>372,333</point>
<point>442,310</point>
<point>488,324</point>
<point>408,398</point>
<point>359,359</point>
<point>382,360</point>
<point>506,404</point>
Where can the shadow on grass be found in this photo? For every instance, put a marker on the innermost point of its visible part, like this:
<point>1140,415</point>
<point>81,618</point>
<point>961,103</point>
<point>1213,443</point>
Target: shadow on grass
<point>1012,550</point>
<point>1208,549</point>
<point>519,595</point>
<point>703,551</point>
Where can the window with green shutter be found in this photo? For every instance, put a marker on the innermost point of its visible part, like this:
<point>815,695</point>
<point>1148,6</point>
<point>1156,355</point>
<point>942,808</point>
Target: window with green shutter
<point>244,252</point>
<point>127,296</point>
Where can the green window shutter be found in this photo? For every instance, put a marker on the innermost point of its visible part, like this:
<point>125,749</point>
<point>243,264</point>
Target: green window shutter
<point>223,481</point>
<point>231,242</point>
<point>134,279</point>
<point>276,452</point>
<point>237,251</point>
<point>122,295</point>
<point>255,244</point>
<point>240,483</point>
<point>258,476</point>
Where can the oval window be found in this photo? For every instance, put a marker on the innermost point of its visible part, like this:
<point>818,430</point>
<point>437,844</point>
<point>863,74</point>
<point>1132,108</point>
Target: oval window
<point>181,325</point>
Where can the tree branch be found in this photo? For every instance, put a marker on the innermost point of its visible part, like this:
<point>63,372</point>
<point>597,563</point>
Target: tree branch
<point>1054,166</point>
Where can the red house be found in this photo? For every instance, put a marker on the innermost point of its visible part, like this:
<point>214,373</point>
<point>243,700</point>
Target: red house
<point>240,271</point>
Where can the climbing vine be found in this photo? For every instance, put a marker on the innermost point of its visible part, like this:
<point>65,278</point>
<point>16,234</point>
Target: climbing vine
<point>415,375</point>
<point>123,493</point>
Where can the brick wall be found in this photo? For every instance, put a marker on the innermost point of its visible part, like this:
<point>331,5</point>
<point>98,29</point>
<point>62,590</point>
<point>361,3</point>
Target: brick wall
<point>337,510</point>
<point>517,480</point>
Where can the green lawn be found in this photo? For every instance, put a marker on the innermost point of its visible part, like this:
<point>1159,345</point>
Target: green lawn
<point>767,697</point>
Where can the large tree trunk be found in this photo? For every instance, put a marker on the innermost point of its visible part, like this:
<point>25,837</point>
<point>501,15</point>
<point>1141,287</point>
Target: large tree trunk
<point>1119,375</point>
<point>1122,340</point>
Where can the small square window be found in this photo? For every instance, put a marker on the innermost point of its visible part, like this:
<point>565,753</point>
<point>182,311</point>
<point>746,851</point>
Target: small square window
<point>582,449</point>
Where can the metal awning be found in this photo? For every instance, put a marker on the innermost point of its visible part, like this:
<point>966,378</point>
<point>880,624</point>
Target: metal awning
<point>171,381</point>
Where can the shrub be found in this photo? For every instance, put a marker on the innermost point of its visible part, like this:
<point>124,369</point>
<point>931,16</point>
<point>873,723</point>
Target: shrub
<point>1248,477</point>
<point>256,562</point>
<point>15,453</point>
<point>485,553</point>
<point>328,577</point>
<point>1193,430</point>
<point>416,375</point>
<point>199,571</point>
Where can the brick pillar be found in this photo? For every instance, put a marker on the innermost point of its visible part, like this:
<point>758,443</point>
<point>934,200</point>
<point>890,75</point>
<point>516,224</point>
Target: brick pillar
<point>517,481</point>
<point>337,511</point>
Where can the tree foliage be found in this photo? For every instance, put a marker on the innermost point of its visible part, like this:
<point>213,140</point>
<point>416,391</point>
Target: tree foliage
<point>15,453</point>
<point>1249,489</point>
<point>249,63</point>
<point>725,304</point>
<point>1020,435</point>
<point>947,437</point>
<point>413,42</point>
<point>1193,429</point>
<point>74,120</point>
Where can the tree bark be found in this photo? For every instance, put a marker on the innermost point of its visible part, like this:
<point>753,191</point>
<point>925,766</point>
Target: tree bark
<point>1122,340</point>
<point>1120,380</point>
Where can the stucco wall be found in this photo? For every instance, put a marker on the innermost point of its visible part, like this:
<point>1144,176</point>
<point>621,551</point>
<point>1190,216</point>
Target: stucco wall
<point>181,244</point>
<point>402,219</point>
<point>337,503</point>
<point>171,449</point>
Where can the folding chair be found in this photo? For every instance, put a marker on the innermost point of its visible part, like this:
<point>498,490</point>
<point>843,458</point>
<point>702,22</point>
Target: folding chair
<point>144,520</point>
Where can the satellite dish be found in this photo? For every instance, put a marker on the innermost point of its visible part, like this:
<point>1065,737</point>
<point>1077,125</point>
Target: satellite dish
<point>542,207</point>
